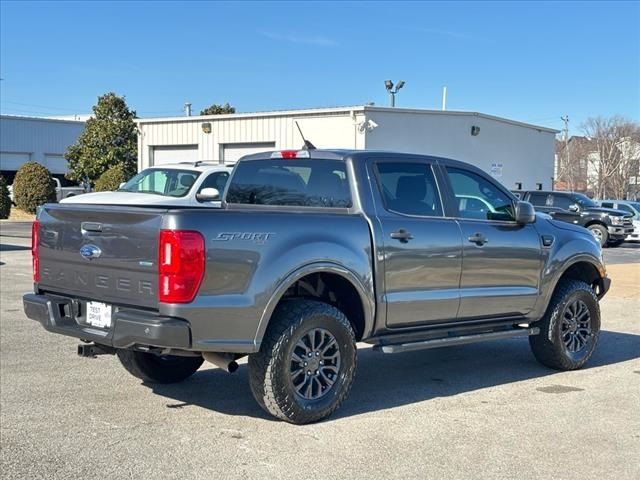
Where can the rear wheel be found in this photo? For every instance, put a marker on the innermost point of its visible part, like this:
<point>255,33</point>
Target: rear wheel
<point>153,368</point>
<point>570,329</point>
<point>306,363</point>
<point>600,232</point>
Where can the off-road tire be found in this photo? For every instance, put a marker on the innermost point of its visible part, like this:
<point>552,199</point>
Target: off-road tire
<point>152,368</point>
<point>548,347</point>
<point>600,232</point>
<point>270,369</point>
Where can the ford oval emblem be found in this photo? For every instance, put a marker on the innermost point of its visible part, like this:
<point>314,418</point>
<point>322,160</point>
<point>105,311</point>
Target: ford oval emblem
<point>89,252</point>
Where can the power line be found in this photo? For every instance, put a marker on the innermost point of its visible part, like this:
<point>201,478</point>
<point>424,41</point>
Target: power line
<point>42,106</point>
<point>49,110</point>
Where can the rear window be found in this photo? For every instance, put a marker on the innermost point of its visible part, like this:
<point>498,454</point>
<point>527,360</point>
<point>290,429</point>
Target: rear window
<point>301,183</point>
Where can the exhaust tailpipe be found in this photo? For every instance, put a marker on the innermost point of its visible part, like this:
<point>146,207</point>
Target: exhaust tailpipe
<point>225,361</point>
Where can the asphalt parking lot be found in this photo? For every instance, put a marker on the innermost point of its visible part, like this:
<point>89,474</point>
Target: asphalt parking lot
<point>478,411</point>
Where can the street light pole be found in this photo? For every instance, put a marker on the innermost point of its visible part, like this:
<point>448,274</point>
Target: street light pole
<point>388,84</point>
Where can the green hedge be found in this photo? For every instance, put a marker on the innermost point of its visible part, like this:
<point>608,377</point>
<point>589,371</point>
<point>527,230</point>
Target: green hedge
<point>5,200</point>
<point>33,186</point>
<point>111,179</point>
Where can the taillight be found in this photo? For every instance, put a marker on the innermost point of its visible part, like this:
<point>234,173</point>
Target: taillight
<point>181,265</point>
<point>35,250</point>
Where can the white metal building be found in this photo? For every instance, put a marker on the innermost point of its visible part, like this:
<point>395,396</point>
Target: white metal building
<point>41,140</point>
<point>512,151</point>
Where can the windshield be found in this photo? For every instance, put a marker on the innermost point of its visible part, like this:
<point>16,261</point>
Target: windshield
<point>584,200</point>
<point>167,182</point>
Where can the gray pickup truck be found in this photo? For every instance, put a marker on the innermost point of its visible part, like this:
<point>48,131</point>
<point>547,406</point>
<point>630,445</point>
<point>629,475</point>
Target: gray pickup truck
<point>311,252</point>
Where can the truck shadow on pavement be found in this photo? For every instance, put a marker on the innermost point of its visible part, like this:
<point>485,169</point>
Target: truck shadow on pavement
<point>388,381</point>
<point>11,248</point>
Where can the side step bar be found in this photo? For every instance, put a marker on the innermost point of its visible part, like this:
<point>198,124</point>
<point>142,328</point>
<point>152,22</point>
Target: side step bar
<point>458,340</point>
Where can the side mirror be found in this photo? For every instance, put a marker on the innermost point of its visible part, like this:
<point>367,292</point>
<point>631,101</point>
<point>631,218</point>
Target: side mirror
<point>209,194</point>
<point>525,213</point>
<point>122,184</point>
<point>574,208</point>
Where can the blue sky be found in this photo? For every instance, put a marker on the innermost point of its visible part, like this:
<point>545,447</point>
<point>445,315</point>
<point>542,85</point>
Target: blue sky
<point>528,61</point>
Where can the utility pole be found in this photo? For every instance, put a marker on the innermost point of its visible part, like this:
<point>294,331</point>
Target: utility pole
<point>567,158</point>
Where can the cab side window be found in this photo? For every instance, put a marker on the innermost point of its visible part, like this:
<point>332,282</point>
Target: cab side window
<point>409,188</point>
<point>538,199</point>
<point>608,205</point>
<point>478,198</point>
<point>563,202</point>
<point>216,180</point>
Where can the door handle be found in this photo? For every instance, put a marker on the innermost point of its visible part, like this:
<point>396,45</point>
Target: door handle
<point>403,235</point>
<point>478,239</point>
<point>91,226</point>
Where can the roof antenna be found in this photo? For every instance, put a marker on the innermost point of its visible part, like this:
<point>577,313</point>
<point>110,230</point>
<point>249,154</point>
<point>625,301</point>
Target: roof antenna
<point>307,144</point>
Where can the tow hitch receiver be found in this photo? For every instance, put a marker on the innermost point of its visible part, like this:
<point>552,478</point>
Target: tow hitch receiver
<point>91,350</point>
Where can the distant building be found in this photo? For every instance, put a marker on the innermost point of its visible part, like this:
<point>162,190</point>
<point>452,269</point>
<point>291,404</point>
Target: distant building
<point>572,164</point>
<point>516,153</point>
<point>579,170</point>
<point>42,140</point>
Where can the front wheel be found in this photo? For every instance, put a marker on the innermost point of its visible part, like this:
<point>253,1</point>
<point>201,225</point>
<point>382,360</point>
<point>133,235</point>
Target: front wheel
<point>152,368</point>
<point>570,329</point>
<point>306,363</point>
<point>600,232</point>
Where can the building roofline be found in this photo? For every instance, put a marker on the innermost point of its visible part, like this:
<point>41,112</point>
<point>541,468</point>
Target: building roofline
<point>338,110</point>
<point>270,113</point>
<point>40,119</point>
<point>460,113</point>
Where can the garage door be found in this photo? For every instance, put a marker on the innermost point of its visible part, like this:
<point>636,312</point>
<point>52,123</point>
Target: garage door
<point>12,161</point>
<point>174,154</point>
<point>56,163</point>
<point>231,152</point>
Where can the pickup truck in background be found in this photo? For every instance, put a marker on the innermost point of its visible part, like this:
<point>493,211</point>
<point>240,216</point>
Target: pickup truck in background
<point>608,225</point>
<point>64,189</point>
<point>311,252</point>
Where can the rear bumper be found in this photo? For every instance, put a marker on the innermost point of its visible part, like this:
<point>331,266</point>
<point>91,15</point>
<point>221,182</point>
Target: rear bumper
<point>128,328</point>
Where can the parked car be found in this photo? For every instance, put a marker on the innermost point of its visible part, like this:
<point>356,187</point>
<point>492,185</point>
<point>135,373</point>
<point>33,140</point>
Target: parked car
<point>311,252</point>
<point>609,226</point>
<point>64,189</point>
<point>195,184</point>
<point>67,189</point>
<point>630,207</point>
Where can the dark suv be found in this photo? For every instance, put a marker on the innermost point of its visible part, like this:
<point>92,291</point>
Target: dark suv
<point>609,226</point>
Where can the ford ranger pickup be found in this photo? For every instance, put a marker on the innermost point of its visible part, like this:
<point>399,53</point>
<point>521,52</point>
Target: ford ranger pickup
<point>311,252</point>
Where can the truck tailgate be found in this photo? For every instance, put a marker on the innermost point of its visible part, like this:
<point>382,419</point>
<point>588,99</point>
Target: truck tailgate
<point>119,259</point>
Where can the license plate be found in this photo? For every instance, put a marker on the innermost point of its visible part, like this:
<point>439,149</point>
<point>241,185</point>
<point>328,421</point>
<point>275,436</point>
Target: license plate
<point>99,314</point>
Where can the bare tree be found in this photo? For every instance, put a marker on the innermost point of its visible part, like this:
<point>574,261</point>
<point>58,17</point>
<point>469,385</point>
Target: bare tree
<point>571,163</point>
<point>616,143</point>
